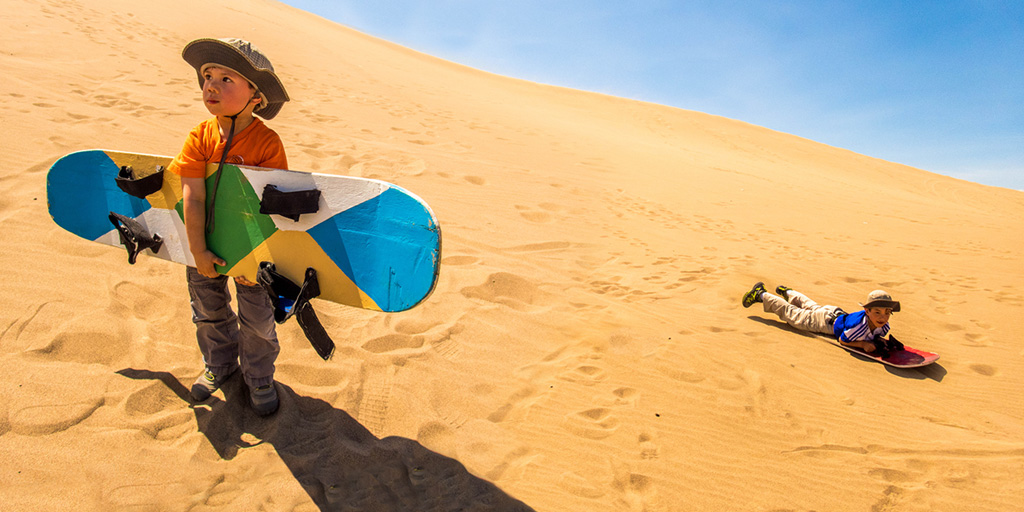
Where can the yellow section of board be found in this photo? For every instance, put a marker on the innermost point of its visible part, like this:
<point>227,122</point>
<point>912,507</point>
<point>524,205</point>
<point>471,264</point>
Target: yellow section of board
<point>296,250</point>
<point>144,165</point>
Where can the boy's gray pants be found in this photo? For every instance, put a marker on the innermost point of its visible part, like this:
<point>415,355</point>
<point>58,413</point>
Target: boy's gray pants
<point>801,312</point>
<point>227,340</point>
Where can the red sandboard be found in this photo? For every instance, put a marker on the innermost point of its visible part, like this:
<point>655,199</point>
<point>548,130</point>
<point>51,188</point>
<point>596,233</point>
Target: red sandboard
<point>909,357</point>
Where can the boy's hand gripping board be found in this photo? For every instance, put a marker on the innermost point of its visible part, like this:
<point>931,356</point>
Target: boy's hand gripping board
<point>373,245</point>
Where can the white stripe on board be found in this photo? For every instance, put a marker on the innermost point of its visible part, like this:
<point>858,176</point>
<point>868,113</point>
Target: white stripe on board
<point>337,193</point>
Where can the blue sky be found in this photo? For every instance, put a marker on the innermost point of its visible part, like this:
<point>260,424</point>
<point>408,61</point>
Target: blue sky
<point>935,84</point>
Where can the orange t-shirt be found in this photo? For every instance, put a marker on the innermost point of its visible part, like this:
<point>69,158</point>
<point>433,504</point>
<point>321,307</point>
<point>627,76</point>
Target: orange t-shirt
<point>256,145</point>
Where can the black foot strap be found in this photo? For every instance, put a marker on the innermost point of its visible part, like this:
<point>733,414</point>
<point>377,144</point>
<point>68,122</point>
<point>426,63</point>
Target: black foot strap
<point>134,236</point>
<point>894,345</point>
<point>139,187</point>
<point>289,204</point>
<point>881,347</point>
<point>290,300</point>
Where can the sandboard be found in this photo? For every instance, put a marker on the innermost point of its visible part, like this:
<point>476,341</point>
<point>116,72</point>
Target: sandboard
<point>373,245</point>
<point>909,357</point>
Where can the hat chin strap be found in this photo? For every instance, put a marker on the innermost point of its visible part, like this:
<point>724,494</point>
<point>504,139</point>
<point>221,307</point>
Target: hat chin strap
<point>210,223</point>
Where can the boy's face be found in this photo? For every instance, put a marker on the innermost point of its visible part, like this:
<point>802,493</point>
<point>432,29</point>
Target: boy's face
<point>226,93</point>
<point>878,316</point>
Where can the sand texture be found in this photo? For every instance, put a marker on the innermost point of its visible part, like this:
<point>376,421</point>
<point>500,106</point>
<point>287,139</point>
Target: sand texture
<point>585,348</point>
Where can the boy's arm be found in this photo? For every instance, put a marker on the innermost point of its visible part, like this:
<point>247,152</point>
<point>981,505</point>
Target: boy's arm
<point>863,345</point>
<point>194,207</point>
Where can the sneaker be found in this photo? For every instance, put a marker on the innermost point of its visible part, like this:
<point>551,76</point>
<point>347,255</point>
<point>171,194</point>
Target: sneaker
<point>264,399</point>
<point>781,291</point>
<point>208,382</point>
<point>754,295</point>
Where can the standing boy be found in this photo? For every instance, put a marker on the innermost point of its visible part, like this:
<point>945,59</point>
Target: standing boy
<point>237,82</point>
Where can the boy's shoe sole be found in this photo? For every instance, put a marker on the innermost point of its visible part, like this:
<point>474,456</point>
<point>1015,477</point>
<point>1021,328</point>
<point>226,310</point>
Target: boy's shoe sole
<point>264,399</point>
<point>207,383</point>
<point>754,295</point>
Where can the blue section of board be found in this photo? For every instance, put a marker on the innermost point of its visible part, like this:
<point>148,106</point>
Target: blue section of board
<point>370,262</point>
<point>80,197</point>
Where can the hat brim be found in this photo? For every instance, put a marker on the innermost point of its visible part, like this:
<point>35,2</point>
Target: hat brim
<point>894,304</point>
<point>201,52</point>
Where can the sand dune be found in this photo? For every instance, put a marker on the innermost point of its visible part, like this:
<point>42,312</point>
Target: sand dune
<point>585,348</point>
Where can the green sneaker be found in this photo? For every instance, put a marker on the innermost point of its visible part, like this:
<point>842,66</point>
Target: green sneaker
<point>754,295</point>
<point>208,382</point>
<point>264,399</point>
<point>781,291</point>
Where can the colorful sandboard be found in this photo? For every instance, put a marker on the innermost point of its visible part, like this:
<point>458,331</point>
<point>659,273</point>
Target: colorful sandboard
<point>374,245</point>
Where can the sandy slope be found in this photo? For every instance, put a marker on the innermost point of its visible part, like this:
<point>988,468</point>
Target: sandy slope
<point>585,348</point>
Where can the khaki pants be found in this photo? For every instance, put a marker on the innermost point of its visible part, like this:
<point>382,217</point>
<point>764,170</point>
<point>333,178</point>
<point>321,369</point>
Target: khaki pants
<point>250,338</point>
<point>801,312</point>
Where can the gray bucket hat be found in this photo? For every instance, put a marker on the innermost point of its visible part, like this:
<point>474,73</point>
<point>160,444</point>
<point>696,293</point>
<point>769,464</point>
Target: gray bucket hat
<point>245,59</point>
<point>881,299</point>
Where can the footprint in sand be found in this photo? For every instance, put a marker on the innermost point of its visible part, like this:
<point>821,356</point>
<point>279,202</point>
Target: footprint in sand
<point>324,377</point>
<point>751,386</point>
<point>649,450</point>
<point>534,216</point>
<point>676,366</point>
<point>448,346</point>
<point>983,325</point>
<point>626,396</point>
<point>141,302</point>
<point>523,399</point>
<point>415,325</point>
<point>636,490</point>
<point>585,374</point>
<point>579,486</point>
<point>155,410</point>
<point>41,420</point>
<point>345,162</point>
<point>892,476</point>
<point>393,342</point>
<point>375,397</point>
<point>85,347</point>
<point>541,247</point>
<point>36,322</point>
<point>596,423</point>
<point>514,461</point>
<point>437,437</point>
<point>985,369</point>
<point>5,418</point>
<point>152,399</point>
<point>505,288</point>
<point>459,260</point>
<point>977,340</point>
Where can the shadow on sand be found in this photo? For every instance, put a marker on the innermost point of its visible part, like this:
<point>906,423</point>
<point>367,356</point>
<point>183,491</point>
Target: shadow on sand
<point>934,371</point>
<point>340,464</point>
